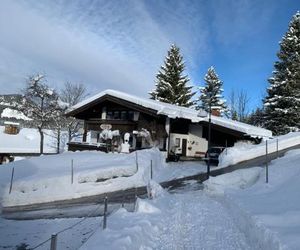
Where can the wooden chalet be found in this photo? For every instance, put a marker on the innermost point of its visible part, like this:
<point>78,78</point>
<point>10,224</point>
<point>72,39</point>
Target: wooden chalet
<point>172,128</point>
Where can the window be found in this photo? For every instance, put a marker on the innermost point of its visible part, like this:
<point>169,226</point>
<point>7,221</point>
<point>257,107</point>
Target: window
<point>116,115</point>
<point>109,115</point>
<point>120,115</point>
<point>130,115</point>
<point>123,115</point>
<point>177,142</point>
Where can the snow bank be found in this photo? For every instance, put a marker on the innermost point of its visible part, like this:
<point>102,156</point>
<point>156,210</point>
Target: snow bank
<point>238,179</point>
<point>154,190</point>
<point>144,206</point>
<point>48,178</point>
<point>255,230</point>
<point>125,230</point>
<point>245,151</point>
<point>270,212</point>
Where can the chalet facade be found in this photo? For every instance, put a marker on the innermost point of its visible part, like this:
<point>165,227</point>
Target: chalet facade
<point>110,115</point>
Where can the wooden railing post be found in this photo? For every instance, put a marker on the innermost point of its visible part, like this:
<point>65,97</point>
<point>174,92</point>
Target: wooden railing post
<point>53,244</point>
<point>151,171</point>
<point>72,172</point>
<point>105,213</point>
<point>11,179</point>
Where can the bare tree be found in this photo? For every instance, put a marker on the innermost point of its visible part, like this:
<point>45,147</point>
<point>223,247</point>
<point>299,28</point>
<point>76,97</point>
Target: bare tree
<point>243,102</point>
<point>72,93</point>
<point>238,105</point>
<point>232,106</point>
<point>41,104</point>
<point>59,123</point>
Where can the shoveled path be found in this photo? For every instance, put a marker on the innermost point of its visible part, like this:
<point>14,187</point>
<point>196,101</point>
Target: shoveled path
<point>197,221</point>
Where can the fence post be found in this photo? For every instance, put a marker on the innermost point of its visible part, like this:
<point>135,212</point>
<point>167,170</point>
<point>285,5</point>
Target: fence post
<point>136,161</point>
<point>267,171</point>
<point>277,154</point>
<point>135,198</point>
<point>123,198</point>
<point>53,244</point>
<point>11,179</point>
<point>72,171</point>
<point>105,213</point>
<point>151,171</point>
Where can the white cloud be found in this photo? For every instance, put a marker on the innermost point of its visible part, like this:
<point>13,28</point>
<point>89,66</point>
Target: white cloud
<point>105,44</point>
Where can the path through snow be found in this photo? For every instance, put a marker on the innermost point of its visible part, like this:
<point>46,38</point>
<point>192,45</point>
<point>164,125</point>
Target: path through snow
<point>190,219</point>
<point>196,221</point>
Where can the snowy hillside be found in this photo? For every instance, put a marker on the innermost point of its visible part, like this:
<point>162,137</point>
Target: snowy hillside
<point>27,141</point>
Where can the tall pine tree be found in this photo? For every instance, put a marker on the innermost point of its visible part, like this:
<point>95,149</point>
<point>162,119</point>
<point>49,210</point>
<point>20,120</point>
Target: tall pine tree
<point>171,83</point>
<point>211,94</point>
<point>282,103</point>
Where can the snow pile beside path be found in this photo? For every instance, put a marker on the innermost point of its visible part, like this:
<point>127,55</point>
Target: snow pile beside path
<point>238,179</point>
<point>144,206</point>
<point>49,178</point>
<point>274,206</point>
<point>255,230</point>
<point>245,151</point>
<point>125,231</point>
<point>154,190</point>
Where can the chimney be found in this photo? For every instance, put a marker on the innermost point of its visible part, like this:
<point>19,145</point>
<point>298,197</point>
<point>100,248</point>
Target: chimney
<point>215,112</point>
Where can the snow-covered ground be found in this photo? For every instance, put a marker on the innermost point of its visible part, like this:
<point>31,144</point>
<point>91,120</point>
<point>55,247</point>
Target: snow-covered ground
<point>28,141</point>
<point>191,220</point>
<point>246,151</point>
<point>31,233</point>
<point>234,211</point>
<point>274,207</point>
<point>48,178</point>
<point>237,210</point>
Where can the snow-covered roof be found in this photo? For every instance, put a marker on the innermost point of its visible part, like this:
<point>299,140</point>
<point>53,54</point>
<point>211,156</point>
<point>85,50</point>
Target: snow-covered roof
<point>174,111</point>
<point>12,113</point>
<point>11,123</point>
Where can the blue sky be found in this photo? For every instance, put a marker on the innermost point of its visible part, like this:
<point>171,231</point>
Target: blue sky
<point>121,44</point>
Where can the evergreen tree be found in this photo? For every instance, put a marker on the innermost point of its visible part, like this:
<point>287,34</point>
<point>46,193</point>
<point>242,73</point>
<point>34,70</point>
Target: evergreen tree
<point>256,118</point>
<point>282,104</point>
<point>171,84</point>
<point>211,94</point>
